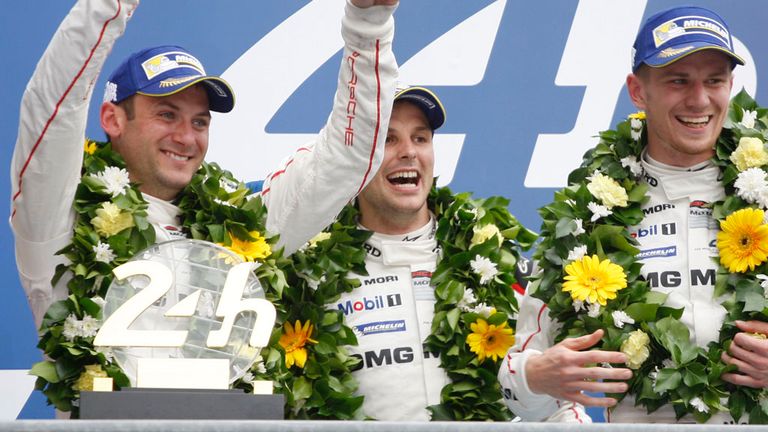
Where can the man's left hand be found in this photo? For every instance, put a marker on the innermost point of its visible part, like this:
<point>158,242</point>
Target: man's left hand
<point>750,354</point>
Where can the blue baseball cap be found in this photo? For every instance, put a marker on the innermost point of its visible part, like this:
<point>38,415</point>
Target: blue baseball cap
<point>426,101</point>
<point>675,33</point>
<point>163,71</point>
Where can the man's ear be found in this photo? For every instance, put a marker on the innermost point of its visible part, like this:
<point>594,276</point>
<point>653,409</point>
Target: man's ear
<point>112,119</point>
<point>635,89</point>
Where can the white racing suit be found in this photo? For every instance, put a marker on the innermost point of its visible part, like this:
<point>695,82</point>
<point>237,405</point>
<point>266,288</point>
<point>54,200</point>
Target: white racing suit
<point>303,197</point>
<point>677,244</point>
<point>391,313</point>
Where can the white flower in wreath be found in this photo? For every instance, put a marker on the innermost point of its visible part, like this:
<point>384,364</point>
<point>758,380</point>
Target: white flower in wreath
<point>751,184</point>
<point>578,306</point>
<point>763,283</point>
<point>635,124</point>
<point>620,318</point>
<point>631,162</point>
<point>89,326</point>
<point>750,153</point>
<point>699,405</point>
<point>484,310</point>
<point>607,190</point>
<point>636,133</point>
<point>71,328</point>
<point>467,300</point>
<point>577,253</point>
<point>104,253</point>
<point>99,301</point>
<point>748,119</point>
<point>669,363</point>
<point>593,310</point>
<point>116,180</point>
<point>484,267</point>
<point>579,227</point>
<point>598,211</point>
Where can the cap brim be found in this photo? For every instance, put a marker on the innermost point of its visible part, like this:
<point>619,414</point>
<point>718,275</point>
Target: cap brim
<point>221,98</point>
<point>427,101</point>
<point>664,58</point>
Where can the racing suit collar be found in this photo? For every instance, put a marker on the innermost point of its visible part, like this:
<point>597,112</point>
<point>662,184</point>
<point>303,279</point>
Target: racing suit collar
<point>692,182</point>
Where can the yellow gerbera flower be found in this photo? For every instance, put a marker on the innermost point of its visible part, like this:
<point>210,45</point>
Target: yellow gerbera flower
<point>250,250</point>
<point>90,146</point>
<point>743,240</point>
<point>594,280</point>
<point>490,341</point>
<point>293,340</point>
<point>640,115</point>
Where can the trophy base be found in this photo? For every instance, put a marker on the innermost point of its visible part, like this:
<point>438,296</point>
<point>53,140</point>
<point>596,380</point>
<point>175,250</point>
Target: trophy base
<point>180,404</point>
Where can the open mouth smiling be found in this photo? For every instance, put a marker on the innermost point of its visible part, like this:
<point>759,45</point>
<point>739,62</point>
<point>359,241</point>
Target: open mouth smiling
<point>694,122</point>
<point>175,156</point>
<point>404,179</point>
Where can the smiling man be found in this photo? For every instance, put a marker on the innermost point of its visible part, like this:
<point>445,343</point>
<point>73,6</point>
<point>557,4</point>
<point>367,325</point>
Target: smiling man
<point>392,309</point>
<point>156,112</point>
<point>682,78</point>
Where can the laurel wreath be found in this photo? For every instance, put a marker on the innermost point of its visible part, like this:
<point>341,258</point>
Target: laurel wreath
<point>215,206</point>
<point>677,371</point>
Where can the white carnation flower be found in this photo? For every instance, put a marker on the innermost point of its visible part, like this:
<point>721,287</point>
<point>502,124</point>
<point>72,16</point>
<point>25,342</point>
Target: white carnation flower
<point>763,283</point>
<point>115,180</point>
<point>633,164</point>
<point>577,253</point>
<point>579,227</point>
<point>71,328</point>
<point>593,310</point>
<point>467,300</point>
<point>636,133</point>
<point>89,326</point>
<point>578,306</point>
<point>699,405</point>
<point>598,211</point>
<point>104,252</point>
<point>751,185</point>
<point>636,124</point>
<point>748,119</point>
<point>620,318</point>
<point>485,268</point>
<point>483,309</point>
<point>259,365</point>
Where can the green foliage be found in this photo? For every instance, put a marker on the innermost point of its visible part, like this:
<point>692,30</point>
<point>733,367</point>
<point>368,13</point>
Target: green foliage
<point>677,371</point>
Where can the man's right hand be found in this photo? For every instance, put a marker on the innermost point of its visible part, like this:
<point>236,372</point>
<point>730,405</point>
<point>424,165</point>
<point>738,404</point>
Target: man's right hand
<point>562,372</point>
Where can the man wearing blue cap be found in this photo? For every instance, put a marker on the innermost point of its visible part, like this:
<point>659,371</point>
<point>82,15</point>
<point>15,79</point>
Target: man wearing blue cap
<point>681,77</point>
<point>156,112</point>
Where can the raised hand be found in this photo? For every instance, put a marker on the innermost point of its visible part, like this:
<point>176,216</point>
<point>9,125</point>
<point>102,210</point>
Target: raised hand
<point>562,372</point>
<point>750,354</point>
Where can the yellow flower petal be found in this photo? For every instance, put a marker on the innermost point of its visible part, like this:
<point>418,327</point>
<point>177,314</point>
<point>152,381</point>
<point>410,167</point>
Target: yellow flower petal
<point>743,240</point>
<point>257,249</point>
<point>489,340</point>
<point>592,280</point>
<point>293,341</point>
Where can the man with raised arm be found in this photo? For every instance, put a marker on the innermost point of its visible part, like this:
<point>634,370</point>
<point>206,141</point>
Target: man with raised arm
<point>156,114</point>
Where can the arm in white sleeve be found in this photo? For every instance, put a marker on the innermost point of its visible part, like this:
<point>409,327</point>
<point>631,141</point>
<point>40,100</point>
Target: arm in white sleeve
<point>534,333</point>
<point>47,159</point>
<point>313,185</point>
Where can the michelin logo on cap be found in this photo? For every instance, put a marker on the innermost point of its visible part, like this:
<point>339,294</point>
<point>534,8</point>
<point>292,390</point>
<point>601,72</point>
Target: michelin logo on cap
<point>688,25</point>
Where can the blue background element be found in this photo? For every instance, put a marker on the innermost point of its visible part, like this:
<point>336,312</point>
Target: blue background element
<point>502,116</point>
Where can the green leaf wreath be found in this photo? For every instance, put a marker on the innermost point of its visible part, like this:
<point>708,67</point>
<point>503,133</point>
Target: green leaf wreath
<point>306,358</point>
<point>112,227</point>
<point>476,307</point>
<point>578,232</point>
